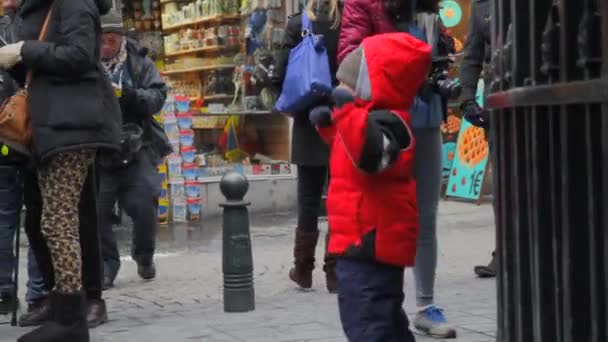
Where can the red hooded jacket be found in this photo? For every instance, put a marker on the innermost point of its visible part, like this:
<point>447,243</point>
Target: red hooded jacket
<point>372,194</point>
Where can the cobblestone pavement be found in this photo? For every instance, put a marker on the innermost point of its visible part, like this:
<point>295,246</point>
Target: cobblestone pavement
<point>185,302</point>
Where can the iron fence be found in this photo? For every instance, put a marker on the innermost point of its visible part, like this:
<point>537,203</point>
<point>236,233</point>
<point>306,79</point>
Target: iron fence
<point>550,130</point>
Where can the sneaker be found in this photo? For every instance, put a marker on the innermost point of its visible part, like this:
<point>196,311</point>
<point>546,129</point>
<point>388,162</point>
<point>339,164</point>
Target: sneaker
<point>431,321</point>
<point>7,303</point>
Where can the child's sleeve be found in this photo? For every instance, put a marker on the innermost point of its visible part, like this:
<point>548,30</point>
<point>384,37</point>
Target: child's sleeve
<point>328,134</point>
<point>373,140</point>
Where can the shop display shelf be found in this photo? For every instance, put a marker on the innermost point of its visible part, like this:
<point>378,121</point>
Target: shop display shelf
<point>199,69</point>
<point>203,49</point>
<point>216,179</point>
<point>202,21</point>
<point>218,97</point>
<point>245,112</point>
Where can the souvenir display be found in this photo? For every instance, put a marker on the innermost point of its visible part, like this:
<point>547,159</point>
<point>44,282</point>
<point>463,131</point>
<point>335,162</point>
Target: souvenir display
<point>217,58</point>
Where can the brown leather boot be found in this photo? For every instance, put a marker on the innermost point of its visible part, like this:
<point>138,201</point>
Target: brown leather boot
<point>330,269</point>
<point>304,255</point>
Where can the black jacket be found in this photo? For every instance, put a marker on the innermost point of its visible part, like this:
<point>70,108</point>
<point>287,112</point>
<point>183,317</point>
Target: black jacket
<point>11,154</point>
<point>8,86</point>
<point>307,147</point>
<point>8,28</point>
<point>150,93</point>
<point>71,100</point>
<point>477,47</point>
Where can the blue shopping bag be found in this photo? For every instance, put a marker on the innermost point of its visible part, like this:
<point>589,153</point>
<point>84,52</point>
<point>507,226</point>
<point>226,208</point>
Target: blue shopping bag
<point>308,79</point>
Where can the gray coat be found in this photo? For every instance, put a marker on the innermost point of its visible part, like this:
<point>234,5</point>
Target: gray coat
<point>477,47</point>
<point>150,92</point>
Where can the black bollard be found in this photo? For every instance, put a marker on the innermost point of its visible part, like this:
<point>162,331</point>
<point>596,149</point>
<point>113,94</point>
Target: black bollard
<point>237,259</point>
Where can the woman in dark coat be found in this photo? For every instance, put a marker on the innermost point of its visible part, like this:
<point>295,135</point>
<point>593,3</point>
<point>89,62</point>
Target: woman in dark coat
<point>74,115</point>
<point>309,152</point>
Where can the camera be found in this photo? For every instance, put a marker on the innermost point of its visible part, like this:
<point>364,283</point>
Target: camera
<point>131,142</point>
<point>440,81</point>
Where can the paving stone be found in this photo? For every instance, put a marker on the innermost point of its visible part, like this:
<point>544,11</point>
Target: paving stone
<point>185,302</point>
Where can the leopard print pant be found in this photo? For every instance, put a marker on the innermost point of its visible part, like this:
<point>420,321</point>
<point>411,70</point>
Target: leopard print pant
<point>61,181</point>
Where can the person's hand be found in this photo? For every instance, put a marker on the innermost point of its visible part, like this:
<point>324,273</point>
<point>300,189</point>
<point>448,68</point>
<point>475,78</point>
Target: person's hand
<point>10,55</point>
<point>320,116</point>
<point>128,96</point>
<point>474,114</point>
<point>342,96</point>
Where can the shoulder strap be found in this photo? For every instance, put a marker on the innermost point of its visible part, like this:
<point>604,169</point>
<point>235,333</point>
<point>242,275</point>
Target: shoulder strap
<point>41,37</point>
<point>306,24</point>
<point>45,27</point>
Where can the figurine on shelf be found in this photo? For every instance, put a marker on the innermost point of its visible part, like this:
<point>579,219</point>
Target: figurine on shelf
<point>211,86</point>
<point>255,27</point>
<point>206,8</point>
<point>147,7</point>
<point>237,80</point>
<point>226,85</point>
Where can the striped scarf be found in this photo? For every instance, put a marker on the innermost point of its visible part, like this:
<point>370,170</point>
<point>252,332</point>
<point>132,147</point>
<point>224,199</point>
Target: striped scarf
<point>112,65</point>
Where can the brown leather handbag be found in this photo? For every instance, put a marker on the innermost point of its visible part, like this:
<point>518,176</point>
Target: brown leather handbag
<point>14,113</point>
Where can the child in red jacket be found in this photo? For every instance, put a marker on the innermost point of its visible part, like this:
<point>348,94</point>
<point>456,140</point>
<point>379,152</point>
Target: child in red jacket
<point>371,203</point>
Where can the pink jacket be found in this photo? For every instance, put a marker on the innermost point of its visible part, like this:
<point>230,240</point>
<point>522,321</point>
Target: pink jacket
<point>361,19</point>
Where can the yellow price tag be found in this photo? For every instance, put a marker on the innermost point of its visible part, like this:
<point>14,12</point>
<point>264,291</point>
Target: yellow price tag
<point>4,150</point>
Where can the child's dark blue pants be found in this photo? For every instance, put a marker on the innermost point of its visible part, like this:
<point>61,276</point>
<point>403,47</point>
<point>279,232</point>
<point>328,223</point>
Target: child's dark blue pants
<point>371,302</point>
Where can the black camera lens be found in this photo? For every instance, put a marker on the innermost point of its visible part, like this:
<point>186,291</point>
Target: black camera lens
<point>449,89</point>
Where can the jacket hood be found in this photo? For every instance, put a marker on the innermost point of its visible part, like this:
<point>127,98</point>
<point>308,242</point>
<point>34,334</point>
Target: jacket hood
<point>392,70</point>
<point>135,47</point>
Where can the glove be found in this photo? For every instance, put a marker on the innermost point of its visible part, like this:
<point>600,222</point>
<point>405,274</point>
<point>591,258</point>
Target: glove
<point>129,97</point>
<point>474,114</point>
<point>342,96</point>
<point>10,55</point>
<point>320,116</point>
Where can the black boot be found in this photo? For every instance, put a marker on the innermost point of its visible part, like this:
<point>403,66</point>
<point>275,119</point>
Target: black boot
<point>97,313</point>
<point>37,313</point>
<point>146,270</point>
<point>330,269</point>
<point>68,321</point>
<point>487,271</point>
<point>304,255</point>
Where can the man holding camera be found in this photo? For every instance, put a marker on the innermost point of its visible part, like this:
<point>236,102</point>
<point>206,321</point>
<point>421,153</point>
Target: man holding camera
<point>131,176</point>
<point>477,53</point>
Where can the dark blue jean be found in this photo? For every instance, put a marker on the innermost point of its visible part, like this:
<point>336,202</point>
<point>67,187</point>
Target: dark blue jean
<point>11,202</point>
<point>370,298</point>
<point>136,188</point>
<point>11,192</point>
<point>36,287</point>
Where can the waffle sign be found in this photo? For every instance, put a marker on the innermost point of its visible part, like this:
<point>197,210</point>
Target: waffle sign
<point>470,161</point>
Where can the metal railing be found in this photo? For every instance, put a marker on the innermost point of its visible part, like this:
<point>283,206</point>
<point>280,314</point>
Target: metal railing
<point>550,130</point>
